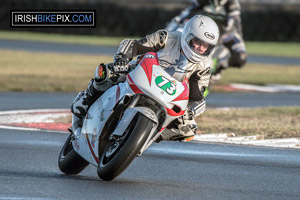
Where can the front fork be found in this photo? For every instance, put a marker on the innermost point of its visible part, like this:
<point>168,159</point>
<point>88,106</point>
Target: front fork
<point>154,134</point>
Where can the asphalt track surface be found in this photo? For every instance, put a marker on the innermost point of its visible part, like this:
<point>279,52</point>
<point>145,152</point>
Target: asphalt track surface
<point>168,170</point>
<point>111,50</point>
<point>20,101</point>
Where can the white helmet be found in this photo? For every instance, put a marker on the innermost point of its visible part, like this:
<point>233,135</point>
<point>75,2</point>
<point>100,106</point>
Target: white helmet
<point>203,30</point>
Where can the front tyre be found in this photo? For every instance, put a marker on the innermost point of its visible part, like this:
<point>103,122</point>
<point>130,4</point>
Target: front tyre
<point>116,155</point>
<point>69,162</point>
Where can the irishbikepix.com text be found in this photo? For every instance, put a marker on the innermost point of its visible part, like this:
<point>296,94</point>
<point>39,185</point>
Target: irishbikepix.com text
<point>53,18</point>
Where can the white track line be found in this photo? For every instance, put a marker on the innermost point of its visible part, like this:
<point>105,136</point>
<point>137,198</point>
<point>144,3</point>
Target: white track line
<point>214,138</point>
<point>11,112</point>
<point>267,88</point>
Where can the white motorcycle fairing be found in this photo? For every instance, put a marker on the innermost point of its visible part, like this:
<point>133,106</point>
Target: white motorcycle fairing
<point>148,80</point>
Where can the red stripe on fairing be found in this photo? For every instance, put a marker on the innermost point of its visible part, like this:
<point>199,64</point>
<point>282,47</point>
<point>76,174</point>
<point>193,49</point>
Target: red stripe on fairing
<point>171,112</point>
<point>186,92</point>
<point>133,86</point>
<point>163,128</point>
<point>147,64</point>
<point>91,149</point>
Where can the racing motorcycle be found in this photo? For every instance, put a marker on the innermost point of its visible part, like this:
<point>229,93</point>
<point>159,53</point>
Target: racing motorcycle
<point>126,119</point>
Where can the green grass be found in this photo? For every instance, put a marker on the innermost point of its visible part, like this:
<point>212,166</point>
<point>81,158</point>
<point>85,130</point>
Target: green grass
<point>285,49</point>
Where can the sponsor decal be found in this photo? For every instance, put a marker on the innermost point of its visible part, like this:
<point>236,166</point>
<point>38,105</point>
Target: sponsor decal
<point>76,145</point>
<point>209,35</point>
<point>166,85</point>
<point>201,24</point>
<point>94,139</point>
<point>151,115</point>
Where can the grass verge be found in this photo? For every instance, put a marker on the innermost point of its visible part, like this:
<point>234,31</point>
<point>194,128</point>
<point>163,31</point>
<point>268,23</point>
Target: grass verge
<point>281,49</point>
<point>50,72</point>
<point>286,49</point>
<point>270,122</point>
<point>262,74</point>
<point>46,72</point>
<point>59,38</point>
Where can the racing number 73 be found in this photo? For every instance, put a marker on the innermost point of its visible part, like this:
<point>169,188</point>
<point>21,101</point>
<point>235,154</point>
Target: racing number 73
<point>166,85</point>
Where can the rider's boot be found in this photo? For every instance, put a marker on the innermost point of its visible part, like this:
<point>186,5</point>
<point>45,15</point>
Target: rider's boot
<point>95,89</point>
<point>85,99</point>
<point>179,131</point>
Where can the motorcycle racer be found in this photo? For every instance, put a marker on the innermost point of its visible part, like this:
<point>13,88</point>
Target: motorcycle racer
<point>196,42</point>
<point>227,15</point>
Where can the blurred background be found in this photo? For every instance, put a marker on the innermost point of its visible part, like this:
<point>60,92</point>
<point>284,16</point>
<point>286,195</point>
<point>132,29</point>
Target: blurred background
<point>262,20</point>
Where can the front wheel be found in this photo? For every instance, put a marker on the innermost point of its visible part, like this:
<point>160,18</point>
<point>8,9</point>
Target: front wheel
<point>115,155</point>
<point>69,162</point>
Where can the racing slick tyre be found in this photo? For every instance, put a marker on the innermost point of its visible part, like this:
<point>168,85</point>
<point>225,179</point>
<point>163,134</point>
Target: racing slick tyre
<point>115,155</point>
<point>69,162</point>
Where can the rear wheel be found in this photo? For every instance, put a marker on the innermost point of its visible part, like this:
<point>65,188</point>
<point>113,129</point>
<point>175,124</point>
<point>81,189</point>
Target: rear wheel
<point>69,162</point>
<point>115,154</point>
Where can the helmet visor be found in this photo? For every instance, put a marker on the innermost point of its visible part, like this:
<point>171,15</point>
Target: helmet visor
<point>199,46</point>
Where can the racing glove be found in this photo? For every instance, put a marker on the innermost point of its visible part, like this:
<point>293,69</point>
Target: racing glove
<point>120,63</point>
